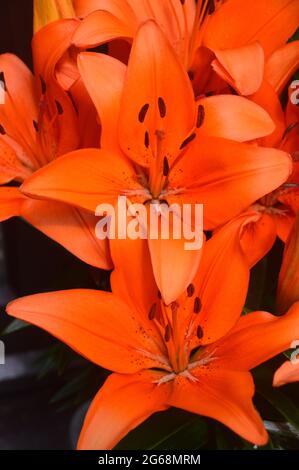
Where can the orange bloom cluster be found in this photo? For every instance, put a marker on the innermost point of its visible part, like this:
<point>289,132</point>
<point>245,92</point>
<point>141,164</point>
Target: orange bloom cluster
<point>185,107</point>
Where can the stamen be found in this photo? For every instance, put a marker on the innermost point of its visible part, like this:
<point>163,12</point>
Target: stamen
<point>59,107</point>
<point>162,107</point>
<point>165,379</point>
<point>200,116</point>
<point>212,7</point>
<point>142,112</point>
<point>152,312</point>
<point>165,167</point>
<point>43,85</point>
<point>146,140</point>
<point>2,79</point>
<point>188,140</point>
<point>159,295</point>
<point>2,130</point>
<point>35,125</point>
<point>167,333</point>
<point>199,332</point>
<point>182,2</point>
<point>289,129</point>
<point>190,290</point>
<point>174,306</point>
<point>197,305</point>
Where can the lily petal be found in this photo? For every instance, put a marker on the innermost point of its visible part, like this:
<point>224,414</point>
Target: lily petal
<point>242,68</point>
<point>47,52</point>
<point>268,99</point>
<point>223,263</point>
<point>20,108</point>
<point>100,27</point>
<point>287,373</point>
<point>266,337</point>
<point>96,324</point>
<point>132,279</point>
<point>174,266</point>
<point>250,121</point>
<point>237,174</point>
<point>224,395</point>
<point>11,202</point>
<point>70,227</point>
<point>85,178</point>
<point>272,24</point>
<point>258,237</point>
<point>162,104</point>
<point>124,402</point>
<point>281,65</point>
<point>104,79</point>
<point>11,166</point>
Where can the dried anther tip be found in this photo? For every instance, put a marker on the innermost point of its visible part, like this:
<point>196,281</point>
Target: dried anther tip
<point>2,130</point>
<point>142,112</point>
<point>188,140</point>
<point>200,116</point>
<point>199,332</point>
<point>190,290</point>
<point>162,107</point>
<point>146,140</point>
<point>167,333</point>
<point>59,107</point>
<point>165,167</point>
<point>152,312</point>
<point>43,85</point>
<point>197,305</point>
<point>35,125</point>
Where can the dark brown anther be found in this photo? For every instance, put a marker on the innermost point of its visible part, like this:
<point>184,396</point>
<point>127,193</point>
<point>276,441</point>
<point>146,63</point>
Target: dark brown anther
<point>146,140</point>
<point>200,116</point>
<point>190,290</point>
<point>2,130</point>
<point>59,107</point>
<point>212,7</point>
<point>167,333</point>
<point>199,332</point>
<point>142,112</point>
<point>188,140</point>
<point>162,107</point>
<point>35,125</point>
<point>191,75</point>
<point>152,312</point>
<point>159,295</point>
<point>2,79</point>
<point>43,85</point>
<point>197,305</point>
<point>165,167</point>
<point>182,2</point>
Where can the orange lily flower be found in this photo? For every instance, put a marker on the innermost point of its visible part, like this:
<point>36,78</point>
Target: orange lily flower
<point>35,129</point>
<point>194,354</point>
<point>233,37</point>
<point>276,211</point>
<point>288,372</point>
<point>159,144</point>
<point>288,283</point>
<point>198,34</point>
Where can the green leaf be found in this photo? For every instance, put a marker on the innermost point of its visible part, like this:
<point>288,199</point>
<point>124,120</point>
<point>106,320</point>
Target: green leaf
<point>278,399</point>
<point>15,325</point>
<point>168,430</point>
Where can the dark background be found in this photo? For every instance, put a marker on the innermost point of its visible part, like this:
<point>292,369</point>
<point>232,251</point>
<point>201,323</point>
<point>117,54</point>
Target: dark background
<point>29,263</point>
